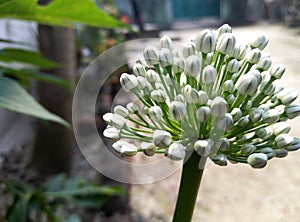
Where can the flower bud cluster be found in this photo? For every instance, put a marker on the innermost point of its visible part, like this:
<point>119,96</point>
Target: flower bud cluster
<point>214,97</point>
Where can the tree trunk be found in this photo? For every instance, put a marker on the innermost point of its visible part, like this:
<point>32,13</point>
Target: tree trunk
<point>54,143</point>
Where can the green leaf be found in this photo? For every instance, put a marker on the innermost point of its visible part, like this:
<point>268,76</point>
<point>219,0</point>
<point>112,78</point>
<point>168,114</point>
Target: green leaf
<point>27,57</point>
<point>18,212</point>
<point>15,98</point>
<point>26,74</point>
<point>59,12</point>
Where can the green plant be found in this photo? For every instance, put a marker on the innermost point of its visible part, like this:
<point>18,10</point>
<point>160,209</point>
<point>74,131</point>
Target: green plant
<point>30,204</point>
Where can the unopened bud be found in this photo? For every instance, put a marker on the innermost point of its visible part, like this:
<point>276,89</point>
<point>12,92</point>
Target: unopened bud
<point>166,57</point>
<point>264,63</point>
<point>225,28</point>
<point>228,86</point>
<point>209,74</point>
<point>226,43</point>
<point>203,97</point>
<point>292,111</point>
<point>132,108</point>
<point>295,145</point>
<point>151,55</point>
<point>255,115</point>
<point>230,99</point>
<point>233,66</point>
<point>188,50</point>
<point>283,140</point>
<point>178,66</point>
<point>141,82</point>
<point>117,121</point>
<point>107,118</point>
<point>152,76</point>
<point>176,152</point>
<point>277,71</point>
<point>166,42</point>
<point>155,113</point>
<point>236,114</point>
<point>244,121</point>
<point>177,110</point>
<point>247,149</point>
<point>287,96</point>
<point>193,66</point>
<point>267,90</point>
<point>222,144</point>
<point>257,160</point>
<point>128,149</point>
<point>218,106</point>
<point>149,149</point>
<point>253,56</point>
<point>261,132</point>
<point>247,84</point>
<point>203,113</point>
<point>158,96</point>
<point>139,70</point>
<point>162,138</point>
<point>122,111</point>
<point>220,159</point>
<point>128,82</point>
<point>112,133</point>
<point>281,153</point>
<point>268,151</point>
<point>271,116</point>
<point>281,128</point>
<point>260,42</point>
<point>205,42</point>
<point>180,98</point>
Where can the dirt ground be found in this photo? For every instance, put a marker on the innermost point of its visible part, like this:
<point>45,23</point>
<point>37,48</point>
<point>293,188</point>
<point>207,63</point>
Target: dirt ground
<point>238,192</point>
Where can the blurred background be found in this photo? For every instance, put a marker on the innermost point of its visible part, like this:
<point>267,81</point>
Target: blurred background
<point>39,159</point>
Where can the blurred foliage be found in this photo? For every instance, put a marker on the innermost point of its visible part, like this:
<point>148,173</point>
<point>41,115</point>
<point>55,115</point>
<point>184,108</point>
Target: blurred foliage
<point>21,65</point>
<point>31,204</point>
<point>58,13</point>
<point>292,15</point>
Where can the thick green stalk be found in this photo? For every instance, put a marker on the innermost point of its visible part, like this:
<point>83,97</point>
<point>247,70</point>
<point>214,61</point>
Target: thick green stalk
<point>189,185</point>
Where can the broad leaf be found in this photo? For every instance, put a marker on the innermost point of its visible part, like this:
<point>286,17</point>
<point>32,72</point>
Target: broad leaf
<point>37,75</point>
<point>15,98</point>
<point>59,12</point>
<point>27,57</point>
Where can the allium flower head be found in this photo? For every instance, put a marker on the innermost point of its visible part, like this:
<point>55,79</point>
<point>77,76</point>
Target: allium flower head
<point>215,98</point>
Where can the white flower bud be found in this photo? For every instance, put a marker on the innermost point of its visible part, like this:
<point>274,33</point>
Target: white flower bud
<point>287,96</point>
<point>220,159</point>
<point>151,55</point>
<point>179,98</point>
<point>268,151</point>
<point>205,42</point>
<point>283,140</point>
<point>222,144</point>
<point>225,28</point>
<point>209,58</point>
<point>271,116</point>
<point>209,74</point>
<point>233,66</point>
<point>139,70</point>
<point>247,84</point>
<point>155,113</point>
<point>236,114</point>
<point>118,145</point>
<point>260,42</point>
<point>141,82</point>
<point>203,113</point>
<point>257,160</point>
<point>277,70</point>
<point>255,115</point>
<point>177,110</point>
<point>281,128</point>
<point>188,50</point>
<point>166,42</point>
<point>202,147</point>
<point>264,107</point>
<point>228,121</point>
<point>193,66</point>
<point>128,82</point>
<point>228,86</point>
<point>292,111</point>
<point>176,152</point>
<point>247,149</point>
<point>132,108</point>
<point>230,99</point>
<point>191,95</point>
<point>267,90</point>
<point>183,79</point>
<point>149,149</point>
<point>261,132</point>
<point>264,63</point>
<point>107,118</point>
<point>158,96</point>
<point>281,153</point>
<point>122,111</point>
<point>162,138</point>
<point>152,76</point>
<point>218,106</point>
<point>117,121</point>
<point>244,121</point>
<point>112,133</point>
<point>239,52</point>
<point>247,106</point>
<point>295,145</point>
<point>203,97</point>
<point>166,57</point>
<point>128,149</point>
<point>141,60</point>
<point>226,43</point>
<point>178,66</point>
<point>253,56</point>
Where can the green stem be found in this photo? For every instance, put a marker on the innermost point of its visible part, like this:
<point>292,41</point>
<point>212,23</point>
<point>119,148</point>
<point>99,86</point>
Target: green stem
<point>189,185</point>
